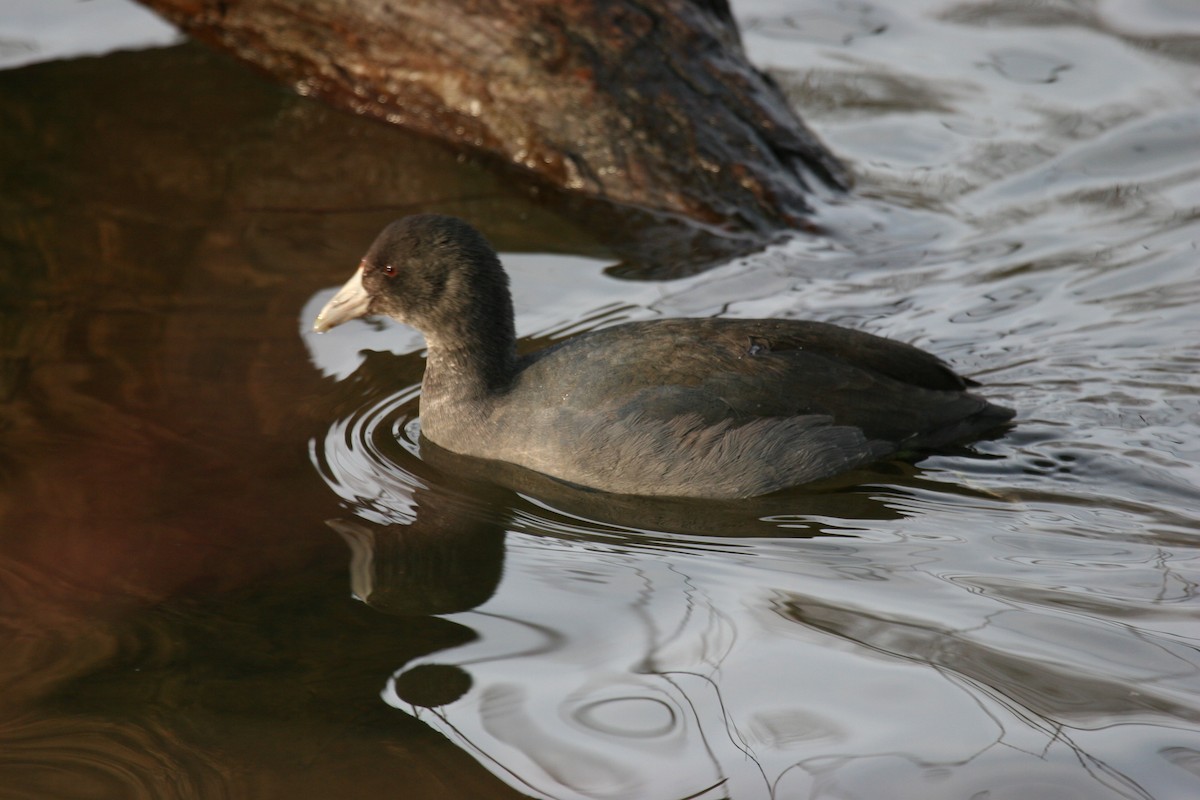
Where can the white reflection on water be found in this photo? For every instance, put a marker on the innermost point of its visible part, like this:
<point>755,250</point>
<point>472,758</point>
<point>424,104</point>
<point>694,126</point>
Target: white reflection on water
<point>820,667</point>
<point>42,30</point>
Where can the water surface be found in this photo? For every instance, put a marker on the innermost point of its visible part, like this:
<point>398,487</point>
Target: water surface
<point>230,568</point>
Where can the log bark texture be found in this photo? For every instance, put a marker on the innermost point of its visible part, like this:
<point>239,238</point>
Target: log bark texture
<point>644,103</point>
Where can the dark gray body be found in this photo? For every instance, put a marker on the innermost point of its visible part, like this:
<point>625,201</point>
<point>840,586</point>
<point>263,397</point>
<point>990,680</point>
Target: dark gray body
<point>716,408</point>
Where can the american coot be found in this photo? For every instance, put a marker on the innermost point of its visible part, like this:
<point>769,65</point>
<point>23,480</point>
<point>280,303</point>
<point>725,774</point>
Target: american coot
<point>716,408</point>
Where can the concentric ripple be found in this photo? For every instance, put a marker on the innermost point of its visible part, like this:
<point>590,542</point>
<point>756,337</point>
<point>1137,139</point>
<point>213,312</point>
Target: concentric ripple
<point>371,458</point>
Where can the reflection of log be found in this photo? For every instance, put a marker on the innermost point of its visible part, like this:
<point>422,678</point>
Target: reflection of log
<point>649,103</point>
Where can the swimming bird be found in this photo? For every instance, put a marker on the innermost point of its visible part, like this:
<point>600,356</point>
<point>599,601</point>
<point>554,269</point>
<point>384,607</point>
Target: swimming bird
<point>717,408</point>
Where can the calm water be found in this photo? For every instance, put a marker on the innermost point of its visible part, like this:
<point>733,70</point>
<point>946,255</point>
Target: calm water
<point>229,570</point>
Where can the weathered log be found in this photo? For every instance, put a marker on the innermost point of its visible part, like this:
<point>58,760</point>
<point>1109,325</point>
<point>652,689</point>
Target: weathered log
<point>643,103</point>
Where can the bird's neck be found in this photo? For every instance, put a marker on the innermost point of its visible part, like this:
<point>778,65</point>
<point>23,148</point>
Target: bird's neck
<point>468,366</point>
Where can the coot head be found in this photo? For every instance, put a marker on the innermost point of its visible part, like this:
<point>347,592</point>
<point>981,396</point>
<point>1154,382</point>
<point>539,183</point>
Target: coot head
<point>435,273</point>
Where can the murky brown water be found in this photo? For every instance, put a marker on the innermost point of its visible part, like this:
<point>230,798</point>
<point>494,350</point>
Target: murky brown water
<point>179,620</point>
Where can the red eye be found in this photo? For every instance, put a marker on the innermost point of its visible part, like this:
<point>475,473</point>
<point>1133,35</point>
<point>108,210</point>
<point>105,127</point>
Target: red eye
<point>389,270</point>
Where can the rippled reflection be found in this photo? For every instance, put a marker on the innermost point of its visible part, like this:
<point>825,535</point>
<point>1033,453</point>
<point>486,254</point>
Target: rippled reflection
<point>81,757</point>
<point>716,654</point>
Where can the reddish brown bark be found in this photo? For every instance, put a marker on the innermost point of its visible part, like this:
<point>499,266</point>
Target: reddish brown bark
<point>645,103</point>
